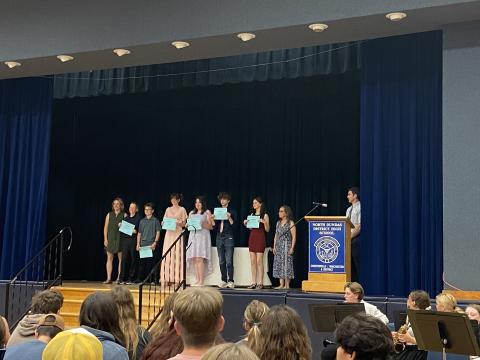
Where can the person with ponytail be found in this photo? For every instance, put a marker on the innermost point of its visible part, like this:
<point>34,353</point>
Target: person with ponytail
<point>252,321</point>
<point>136,337</point>
<point>446,302</point>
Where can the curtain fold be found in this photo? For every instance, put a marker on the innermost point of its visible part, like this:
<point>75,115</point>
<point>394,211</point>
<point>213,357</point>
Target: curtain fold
<point>25,120</point>
<point>401,164</point>
<point>264,66</point>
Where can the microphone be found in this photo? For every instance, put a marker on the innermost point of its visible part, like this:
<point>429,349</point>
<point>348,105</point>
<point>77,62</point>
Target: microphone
<point>320,204</point>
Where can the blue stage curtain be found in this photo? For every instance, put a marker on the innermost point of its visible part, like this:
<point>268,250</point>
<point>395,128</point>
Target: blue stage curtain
<point>25,120</point>
<point>270,65</point>
<point>401,164</point>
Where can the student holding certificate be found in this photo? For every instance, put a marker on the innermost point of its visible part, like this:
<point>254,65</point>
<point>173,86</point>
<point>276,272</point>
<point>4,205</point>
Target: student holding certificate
<point>225,218</point>
<point>129,244</point>
<point>171,267</point>
<point>111,237</point>
<point>199,251</point>
<point>259,224</point>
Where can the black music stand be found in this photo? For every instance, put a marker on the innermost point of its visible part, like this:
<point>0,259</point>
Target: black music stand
<point>443,332</point>
<point>326,317</point>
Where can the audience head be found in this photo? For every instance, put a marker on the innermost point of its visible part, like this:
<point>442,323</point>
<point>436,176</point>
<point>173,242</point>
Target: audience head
<point>363,337</point>
<point>117,204</point>
<point>283,336</point>
<point>229,351</point>
<point>164,321</point>
<point>99,311</point>
<point>447,303</point>
<point>46,302</point>
<point>418,300</point>
<point>353,292</point>
<point>253,315</point>
<point>49,326</point>
<point>73,345</point>
<point>473,312</point>
<point>3,332</point>
<point>198,316</point>
<point>123,298</point>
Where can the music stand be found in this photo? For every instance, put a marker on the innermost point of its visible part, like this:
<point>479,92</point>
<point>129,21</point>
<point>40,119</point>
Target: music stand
<point>326,317</point>
<point>443,332</point>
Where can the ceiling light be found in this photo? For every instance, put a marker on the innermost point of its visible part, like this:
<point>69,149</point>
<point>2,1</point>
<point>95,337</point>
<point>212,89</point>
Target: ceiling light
<point>318,27</point>
<point>65,58</point>
<point>122,52</point>
<point>180,44</point>
<point>396,16</point>
<point>12,64</point>
<point>246,36</point>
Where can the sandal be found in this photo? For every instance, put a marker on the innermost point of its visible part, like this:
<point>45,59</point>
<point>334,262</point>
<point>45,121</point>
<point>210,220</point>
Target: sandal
<point>253,286</point>
<point>260,286</point>
<point>107,282</point>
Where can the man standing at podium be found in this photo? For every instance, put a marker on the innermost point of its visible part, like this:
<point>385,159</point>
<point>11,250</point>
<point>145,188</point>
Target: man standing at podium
<point>354,215</point>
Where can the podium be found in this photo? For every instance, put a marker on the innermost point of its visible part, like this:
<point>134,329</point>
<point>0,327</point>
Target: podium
<point>328,253</point>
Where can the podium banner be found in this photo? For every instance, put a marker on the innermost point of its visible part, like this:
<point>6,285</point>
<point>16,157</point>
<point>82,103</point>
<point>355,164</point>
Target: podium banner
<point>327,247</point>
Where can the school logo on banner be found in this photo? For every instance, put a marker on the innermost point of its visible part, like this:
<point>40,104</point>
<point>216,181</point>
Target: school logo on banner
<point>326,249</point>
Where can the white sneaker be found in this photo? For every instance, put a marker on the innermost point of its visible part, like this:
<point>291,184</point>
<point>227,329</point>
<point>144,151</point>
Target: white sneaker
<point>231,285</point>
<point>222,285</point>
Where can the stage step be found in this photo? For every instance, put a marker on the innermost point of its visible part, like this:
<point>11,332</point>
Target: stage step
<point>75,293</point>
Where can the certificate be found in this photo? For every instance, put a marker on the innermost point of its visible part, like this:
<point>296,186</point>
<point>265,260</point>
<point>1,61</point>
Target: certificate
<point>126,228</point>
<point>253,221</point>
<point>169,224</point>
<point>220,213</point>
<point>194,222</point>
<point>146,252</point>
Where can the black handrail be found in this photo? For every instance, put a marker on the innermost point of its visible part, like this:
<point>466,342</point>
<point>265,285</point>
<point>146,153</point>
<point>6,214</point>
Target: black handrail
<point>158,290</point>
<point>44,270</point>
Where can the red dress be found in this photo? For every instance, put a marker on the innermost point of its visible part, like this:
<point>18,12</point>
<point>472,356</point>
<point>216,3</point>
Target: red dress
<point>256,240</point>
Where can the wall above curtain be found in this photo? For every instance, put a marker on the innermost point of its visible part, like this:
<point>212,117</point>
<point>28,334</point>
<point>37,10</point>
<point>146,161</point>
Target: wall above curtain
<point>264,66</point>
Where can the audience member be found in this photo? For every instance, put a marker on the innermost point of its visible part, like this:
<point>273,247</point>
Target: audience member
<point>164,322</point>
<point>283,336</point>
<point>447,303</point>
<point>136,337</point>
<point>354,294</point>
<point>252,321</point>
<point>198,320</point>
<point>99,315</point>
<point>48,327</point>
<point>363,337</point>
<point>76,344</point>
<point>4,335</point>
<point>44,302</point>
<point>473,312</point>
<point>229,351</point>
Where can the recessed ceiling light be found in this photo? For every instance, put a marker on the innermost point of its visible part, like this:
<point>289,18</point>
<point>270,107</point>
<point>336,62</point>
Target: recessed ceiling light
<point>396,16</point>
<point>122,52</point>
<point>318,27</point>
<point>180,44</point>
<point>246,36</point>
<point>65,58</point>
<point>12,64</point>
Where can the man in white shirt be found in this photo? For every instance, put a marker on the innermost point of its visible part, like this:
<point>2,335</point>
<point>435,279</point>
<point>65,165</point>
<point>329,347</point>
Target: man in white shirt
<point>354,213</point>
<point>354,294</point>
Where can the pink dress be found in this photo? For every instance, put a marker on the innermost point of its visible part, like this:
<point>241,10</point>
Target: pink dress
<point>171,267</point>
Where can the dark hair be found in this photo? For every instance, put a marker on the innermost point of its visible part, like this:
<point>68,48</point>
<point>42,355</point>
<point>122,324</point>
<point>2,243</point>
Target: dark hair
<point>48,330</point>
<point>203,202</point>
<point>262,206</point>
<point>177,196</point>
<point>46,302</point>
<point>149,204</point>
<point>420,298</point>
<point>355,191</point>
<point>365,335</point>
<point>288,212</point>
<point>224,195</point>
<point>99,311</point>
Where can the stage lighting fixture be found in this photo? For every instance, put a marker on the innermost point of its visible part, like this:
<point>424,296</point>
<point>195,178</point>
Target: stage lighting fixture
<point>246,36</point>
<point>396,16</point>
<point>180,44</point>
<point>318,27</point>
<point>65,58</point>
